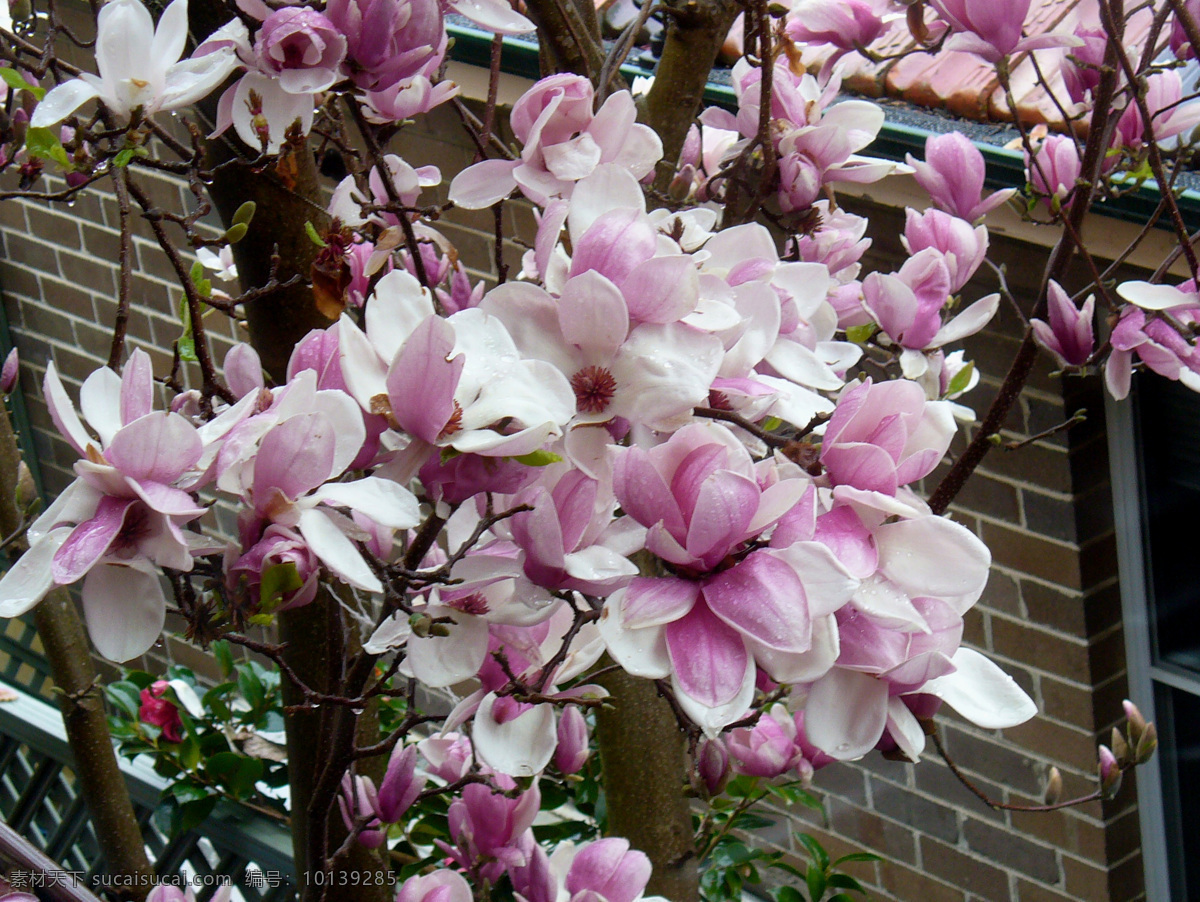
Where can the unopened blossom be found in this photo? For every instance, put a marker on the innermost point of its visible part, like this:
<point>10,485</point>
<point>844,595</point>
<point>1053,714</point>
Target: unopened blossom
<point>278,546</point>
<point>953,173</point>
<point>572,751</point>
<point>767,749</point>
<point>300,47</point>
<point>1181,43</point>
<point>140,66</point>
<point>1081,68</point>
<point>962,247</point>
<point>10,372</point>
<point>386,40</point>
<point>1170,115</point>
<point>1068,335</point>
<point>712,764</point>
<point>1054,168</point>
<point>487,828</point>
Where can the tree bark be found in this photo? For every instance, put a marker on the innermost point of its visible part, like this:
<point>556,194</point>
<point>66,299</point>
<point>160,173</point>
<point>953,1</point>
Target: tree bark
<point>644,760</point>
<point>695,31</point>
<point>82,703</point>
<point>569,36</point>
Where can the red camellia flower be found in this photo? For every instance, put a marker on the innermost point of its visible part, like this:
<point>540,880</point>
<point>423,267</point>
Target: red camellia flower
<point>159,712</point>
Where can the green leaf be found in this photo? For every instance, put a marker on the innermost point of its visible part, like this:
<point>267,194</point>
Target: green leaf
<point>771,424</point>
<point>249,772</point>
<point>539,458</point>
<point>236,232</point>
<point>278,581</point>
<point>856,856</point>
<point>126,154</point>
<point>224,656</point>
<point>789,894</point>
<point>251,687</point>
<point>193,814</point>
<point>189,752</point>
<point>311,231</point>
<point>815,850</point>
<point>860,334</point>
<point>243,214</point>
<point>125,696</point>
<point>845,881</point>
<point>222,766</point>
<point>186,343</point>
<point>815,881</point>
<point>44,143</point>
<point>961,379</point>
<point>13,79</point>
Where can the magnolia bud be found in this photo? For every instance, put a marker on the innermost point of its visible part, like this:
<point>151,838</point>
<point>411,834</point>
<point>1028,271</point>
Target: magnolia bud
<point>27,492</point>
<point>1109,772</point>
<point>572,751</point>
<point>1054,787</point>
<point>1136,722</point>
<point>713,765</point>
<point>1146,744</point>
<point>1120,747</point>
<point>10,372</point>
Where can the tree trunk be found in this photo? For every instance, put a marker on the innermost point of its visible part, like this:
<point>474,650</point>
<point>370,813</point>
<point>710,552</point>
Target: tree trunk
<point>644,760</point>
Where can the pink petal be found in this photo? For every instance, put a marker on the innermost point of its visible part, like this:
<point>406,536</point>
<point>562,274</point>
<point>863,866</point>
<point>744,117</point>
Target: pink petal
<point>90,541</point>
<point>422,380</point>
<point>294,457</point>
<point>662,289</point>
<point>159,447</point>
<point>708,658</point>
<point>763,598</point>
<point>481,185</point>
<point>137,387</point>
<point>726,505</point>
<point>592,314</point>
<point>653,602</point>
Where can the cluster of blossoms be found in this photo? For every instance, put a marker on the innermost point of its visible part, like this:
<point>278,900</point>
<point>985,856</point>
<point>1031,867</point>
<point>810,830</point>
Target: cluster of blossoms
<point>659,443</point>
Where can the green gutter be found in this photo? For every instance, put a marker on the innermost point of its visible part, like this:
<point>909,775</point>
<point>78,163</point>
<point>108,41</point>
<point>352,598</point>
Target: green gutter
<point>1005,168</point>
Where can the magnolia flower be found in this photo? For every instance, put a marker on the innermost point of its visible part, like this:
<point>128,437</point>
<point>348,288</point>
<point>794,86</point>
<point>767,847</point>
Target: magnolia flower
<point>139,66</point>
<point>1054,169</point>
<point>1068,335</point>
<point>992,29</point>
<point>953,174</point>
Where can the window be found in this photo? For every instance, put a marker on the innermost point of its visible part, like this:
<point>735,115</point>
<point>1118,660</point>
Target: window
<point>1155,445</point>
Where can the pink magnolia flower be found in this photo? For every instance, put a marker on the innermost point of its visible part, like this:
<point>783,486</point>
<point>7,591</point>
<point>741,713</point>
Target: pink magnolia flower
<point>160,712</point>
<point>562,141</point>
<point>1068,335</point>
<point>1054,168</point>
<point>963,248</point>
<point>1181,45</point>
<point>437,886</point>
<point>300,47</point>
<point>572,751</point>
<point>768,749</point>
<point>487,828</point>
<point>993,30</point>
<point>10,372</point>
<point>1081,68</point>
<point>123,514</point>
<point>1156,343</point>
<point>733,606</point>
<point>386,40</point>
<point>1169,117</point>
<point>885,435</point>
<point>953,174</point>
<point>847,24</point>
<point>277,546</point>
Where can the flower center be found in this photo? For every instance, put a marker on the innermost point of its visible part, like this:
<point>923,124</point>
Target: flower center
<point>594,388</point>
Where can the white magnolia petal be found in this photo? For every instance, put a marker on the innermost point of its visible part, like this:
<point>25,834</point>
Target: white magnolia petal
<point>802,667</point>
<point>827,584</point>
<point>364,373</point>
<point>521,747</point>
<point>336,551</point>
<point>392,633</point>
<point>1146,295</point>
<point>441,661</point>
<point>846,713</point>
<point>29,579</point>
<point>968,322</point>
<point>933,556</point>
<point>596,563</point>
<point>905,729</point>
<point>982,692</point>
<point>62,411</point>
<point>494,15</point>
<point>125,609</point>
<point>641,652</point>
<point>385,502</point>
<point>61,102</point>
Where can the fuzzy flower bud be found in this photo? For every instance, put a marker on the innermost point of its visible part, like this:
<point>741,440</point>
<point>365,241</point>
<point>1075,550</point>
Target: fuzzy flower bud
<point>1135,721</point>
<point>1054,787</point>
<point>1110,773</point>
<point>572,751</point>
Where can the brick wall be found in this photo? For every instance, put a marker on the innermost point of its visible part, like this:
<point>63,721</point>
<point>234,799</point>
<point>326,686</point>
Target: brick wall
<point>1050,615</point>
